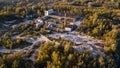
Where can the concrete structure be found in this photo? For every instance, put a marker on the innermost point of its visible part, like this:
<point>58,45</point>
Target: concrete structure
<point>71,23</point>
<point>48,12</point>
<point>39,21</point>
<point>68,29</point>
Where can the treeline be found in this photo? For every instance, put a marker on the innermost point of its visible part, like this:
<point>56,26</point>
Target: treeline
<point>22,8</point>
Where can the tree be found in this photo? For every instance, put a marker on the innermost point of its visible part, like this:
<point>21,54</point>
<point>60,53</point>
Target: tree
<point>39,13</point>
<point>16,64</point>
<point>19,10</point>
<point>2,64</point>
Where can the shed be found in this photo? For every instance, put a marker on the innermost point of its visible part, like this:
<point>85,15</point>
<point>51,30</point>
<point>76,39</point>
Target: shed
<point>48,12</point>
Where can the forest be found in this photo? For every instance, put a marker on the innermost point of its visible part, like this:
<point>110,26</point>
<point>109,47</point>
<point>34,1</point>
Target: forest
<point>101,19</point>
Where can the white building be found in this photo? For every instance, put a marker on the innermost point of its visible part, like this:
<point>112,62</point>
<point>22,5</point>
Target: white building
<point>71,23</point>
<point>68,29</point>
<point>48,12</point>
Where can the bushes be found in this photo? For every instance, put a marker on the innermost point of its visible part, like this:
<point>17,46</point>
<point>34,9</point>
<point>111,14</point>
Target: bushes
<point>15,61</point>
<point>104,25</point>
<point>58,56</point>
<point>111,5</point>
<point>11,44</point>
<point>100,25</point>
